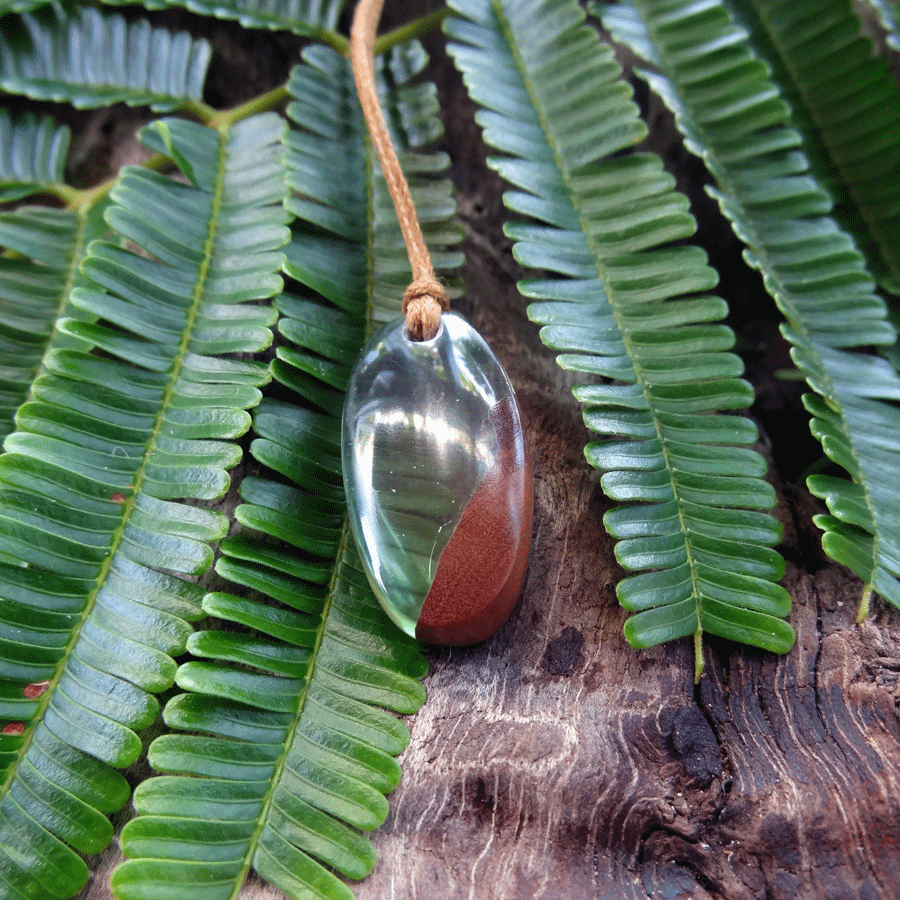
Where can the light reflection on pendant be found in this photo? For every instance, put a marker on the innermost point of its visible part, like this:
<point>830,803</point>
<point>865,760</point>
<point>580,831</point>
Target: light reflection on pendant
<point>438,481</point>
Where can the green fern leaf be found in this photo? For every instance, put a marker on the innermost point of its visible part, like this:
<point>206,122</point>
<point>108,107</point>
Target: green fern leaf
<point>620,305</point>
<point>84,57</point>
<point>290,751</point>
<point>846,105</point>
<point>32,155</point>
<point>311,18</point>
<point>88,478</point>
<point>810,267</point>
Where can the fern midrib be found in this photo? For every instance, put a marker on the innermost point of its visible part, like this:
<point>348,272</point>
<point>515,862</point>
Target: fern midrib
<point>129,504</point>
<point>191,318</point>
<point>601,271</point>
<point>291,732</point>
<point>782,293</point>
<point>887,253</point>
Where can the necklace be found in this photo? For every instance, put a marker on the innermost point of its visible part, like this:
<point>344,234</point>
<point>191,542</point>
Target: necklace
<point>436,471</point>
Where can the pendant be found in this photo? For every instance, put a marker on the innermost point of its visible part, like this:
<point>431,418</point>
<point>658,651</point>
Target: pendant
<point>438,481</point>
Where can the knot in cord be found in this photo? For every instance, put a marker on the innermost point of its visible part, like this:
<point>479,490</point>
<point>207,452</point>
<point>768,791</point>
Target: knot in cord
<point>423,302</point>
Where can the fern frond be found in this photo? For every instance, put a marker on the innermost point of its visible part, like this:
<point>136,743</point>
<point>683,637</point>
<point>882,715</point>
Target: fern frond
<point>88,58</point>
<point>620,304</point>
<point>290,751</point>
<point>847,107</point>
<point>32,155</point>
<point>311,18</point>
<point>811,268</point>
<point>90,537</point>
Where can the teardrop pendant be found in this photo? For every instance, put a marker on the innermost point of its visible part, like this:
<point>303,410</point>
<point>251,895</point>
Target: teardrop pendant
<point>438,481</point>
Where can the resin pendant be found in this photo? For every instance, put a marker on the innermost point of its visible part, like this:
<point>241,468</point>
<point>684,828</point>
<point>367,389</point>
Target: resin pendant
<point>438,481</point>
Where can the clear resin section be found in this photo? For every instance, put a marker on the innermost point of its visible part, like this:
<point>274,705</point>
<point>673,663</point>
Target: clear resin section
<point>438,481</point>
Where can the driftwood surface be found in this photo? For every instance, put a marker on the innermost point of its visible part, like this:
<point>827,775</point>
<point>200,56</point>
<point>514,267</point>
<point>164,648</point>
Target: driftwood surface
<point>554,761</point>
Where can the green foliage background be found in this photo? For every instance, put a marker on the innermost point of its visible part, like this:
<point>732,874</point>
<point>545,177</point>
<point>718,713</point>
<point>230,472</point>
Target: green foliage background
<point>206,307</point>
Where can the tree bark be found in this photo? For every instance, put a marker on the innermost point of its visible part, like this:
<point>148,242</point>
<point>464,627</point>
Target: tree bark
<point>554,761</point>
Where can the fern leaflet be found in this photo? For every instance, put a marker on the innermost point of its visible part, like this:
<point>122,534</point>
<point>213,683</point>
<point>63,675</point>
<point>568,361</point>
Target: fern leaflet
<point>888,12</point>
<point>32,155</point>
<point>35,282</point>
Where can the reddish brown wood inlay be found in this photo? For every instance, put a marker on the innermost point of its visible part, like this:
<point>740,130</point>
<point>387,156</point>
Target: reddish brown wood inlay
<point>482,569</point>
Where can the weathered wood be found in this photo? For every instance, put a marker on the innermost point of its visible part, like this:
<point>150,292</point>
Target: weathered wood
<point>557,762</point>
<point>554,762</point>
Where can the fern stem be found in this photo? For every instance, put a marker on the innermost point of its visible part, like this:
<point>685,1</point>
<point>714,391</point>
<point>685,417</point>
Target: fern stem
<point>64,192</point>
<point>203,111</point>
<point>409,31</point>
<point>290,734</point>
<point>84,199</point>
<point>128,505</point>
<point>91,595</point>
<point>615,307</point>
<point>863,613</point>
<point>77,254</point>
<point>225,119</point>
<point>750,225</point>
<point>336,41</point>
<point>699,665</point>
<point>874,231</point>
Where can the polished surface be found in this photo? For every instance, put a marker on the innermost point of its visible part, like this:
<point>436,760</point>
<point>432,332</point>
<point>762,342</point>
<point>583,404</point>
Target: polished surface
<point>438,481</point>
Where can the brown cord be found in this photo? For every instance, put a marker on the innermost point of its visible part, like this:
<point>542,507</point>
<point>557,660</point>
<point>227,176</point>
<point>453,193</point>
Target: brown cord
<point>425,298</point>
